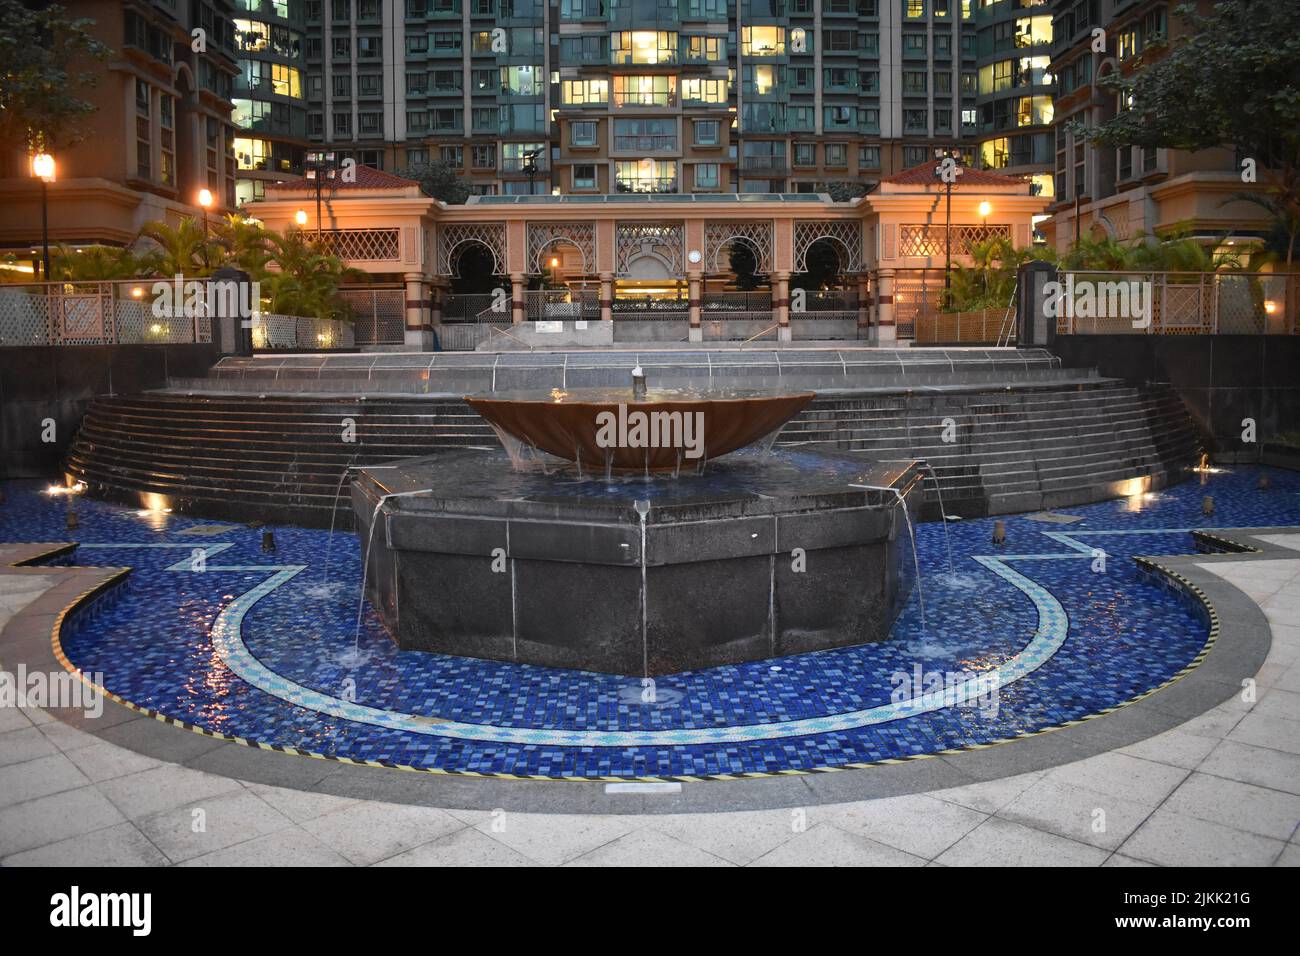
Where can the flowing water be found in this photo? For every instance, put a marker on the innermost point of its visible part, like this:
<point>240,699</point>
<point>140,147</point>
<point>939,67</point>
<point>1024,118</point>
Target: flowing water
<point>943,514</point>
<point>911,533</point>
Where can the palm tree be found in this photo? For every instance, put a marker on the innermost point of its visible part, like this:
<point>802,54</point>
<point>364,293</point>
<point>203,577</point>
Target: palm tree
<point>181,250</point>
<point>95,264</point>
<point>244,244</point>
<point>307,278</point>
<point>1283,239</point>
<point>989,281</point>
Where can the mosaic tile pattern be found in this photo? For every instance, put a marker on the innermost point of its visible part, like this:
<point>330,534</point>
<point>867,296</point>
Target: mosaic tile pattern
<point>1076,640</point>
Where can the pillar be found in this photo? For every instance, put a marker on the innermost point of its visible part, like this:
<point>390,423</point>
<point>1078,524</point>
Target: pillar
<point>606,296</point>
<point>886,335</point>
<point>695,283</point>
<point>864,306</point>
<point>418,336</point>
<point>781,303</point>
<point>517,298</point>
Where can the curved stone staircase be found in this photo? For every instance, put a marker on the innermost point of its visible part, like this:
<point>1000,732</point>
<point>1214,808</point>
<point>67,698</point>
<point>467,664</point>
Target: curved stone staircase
<point>281,457</point>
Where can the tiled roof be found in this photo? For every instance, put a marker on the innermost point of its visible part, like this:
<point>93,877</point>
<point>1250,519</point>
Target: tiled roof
<point>925,175</point>
<point>367,178</point>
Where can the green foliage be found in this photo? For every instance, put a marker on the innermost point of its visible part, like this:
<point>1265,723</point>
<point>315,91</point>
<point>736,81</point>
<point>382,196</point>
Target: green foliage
<point>1282,241</point>
<point>440,181</point>
<point>298,275</point>
<point>744,266</point>
<point>40,101</point>
<point>95,263</point>
<point>822,261</point>
<point>989,281</point>
<point>243,244</point>
<point>844,192</point>
<point>180,250</point>
<point>1230,81</point>
<point>307,279</point>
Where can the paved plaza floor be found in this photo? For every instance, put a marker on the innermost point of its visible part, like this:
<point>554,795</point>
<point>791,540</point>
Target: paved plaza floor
<point>1221,788</point>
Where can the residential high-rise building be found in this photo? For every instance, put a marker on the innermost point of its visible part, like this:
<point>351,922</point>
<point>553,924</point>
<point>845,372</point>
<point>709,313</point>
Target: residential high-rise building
<point>1013,46</point>
<point>269,95</point>
<point>1127,192</point>
<point>677,96</point>
<point>161,130</point>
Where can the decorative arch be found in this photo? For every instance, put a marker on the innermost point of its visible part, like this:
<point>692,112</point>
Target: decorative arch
<point>757,235</point>
<point>456,234</point>
<point>543,235</point>
<point>663,242</point>
<point>844,234</point>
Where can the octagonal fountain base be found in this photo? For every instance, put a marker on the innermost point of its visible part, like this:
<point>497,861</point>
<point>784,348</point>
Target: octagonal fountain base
<point>765,554</point>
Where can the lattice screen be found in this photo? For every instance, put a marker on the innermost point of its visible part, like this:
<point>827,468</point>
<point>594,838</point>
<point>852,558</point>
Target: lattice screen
<point>845,234</point>
<point>928,241</point>
<point>453,237</point>
<point>364,245</point>
<point>541,235</point>
<point>664,240</point>
<point>719,235</point>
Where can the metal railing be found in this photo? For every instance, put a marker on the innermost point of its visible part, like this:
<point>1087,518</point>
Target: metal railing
<point>651,310</point>
<point>476,308</point>
<point>646,144</point>
<point>981,326</point>
<point>467,336</point>
<point>736,307</point>
<point>123,312</point>
<point>560,304</point>
<point>297,332</point>
<point>1177,303</point>
<point>378,313</point>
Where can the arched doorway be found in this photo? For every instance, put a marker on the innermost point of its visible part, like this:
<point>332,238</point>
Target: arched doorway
<point>474,268</point>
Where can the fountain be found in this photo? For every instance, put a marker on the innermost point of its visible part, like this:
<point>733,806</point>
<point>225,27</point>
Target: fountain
<point>686,542</point>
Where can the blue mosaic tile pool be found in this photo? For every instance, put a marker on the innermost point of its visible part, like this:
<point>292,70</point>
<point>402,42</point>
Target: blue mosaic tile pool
<point>1065,640</point>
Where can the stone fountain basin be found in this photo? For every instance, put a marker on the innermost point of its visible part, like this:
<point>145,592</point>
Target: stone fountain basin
<point>575,425</point>
<point>477,560</point>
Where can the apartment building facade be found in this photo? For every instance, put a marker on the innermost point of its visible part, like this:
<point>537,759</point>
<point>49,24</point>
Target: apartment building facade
<point>270,105</point>
<point>1127,192</point>
<point>161,130</point>
<point>678,96</point>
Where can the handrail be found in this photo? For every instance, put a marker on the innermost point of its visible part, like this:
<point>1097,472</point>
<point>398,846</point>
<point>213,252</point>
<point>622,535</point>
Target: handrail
<point>511,335</point>
<point>1006,318</point>
<point>759,335</point>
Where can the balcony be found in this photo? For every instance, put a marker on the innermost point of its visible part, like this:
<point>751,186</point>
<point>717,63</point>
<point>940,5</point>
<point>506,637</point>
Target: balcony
<point>654,184</point>
<point>623,100</point>
<point>765,164</point>
<point>645,144</point>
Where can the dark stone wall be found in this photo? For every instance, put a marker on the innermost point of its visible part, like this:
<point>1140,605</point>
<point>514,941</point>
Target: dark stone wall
<point>1222,379</point>
<point>59,382</point>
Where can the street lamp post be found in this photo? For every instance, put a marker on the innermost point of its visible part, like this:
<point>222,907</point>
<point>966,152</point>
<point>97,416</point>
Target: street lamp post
<point>948,172</point>
<point>44,170</point>
<point>530,167</point>
<point>318,167</point>
<point>205,203</point>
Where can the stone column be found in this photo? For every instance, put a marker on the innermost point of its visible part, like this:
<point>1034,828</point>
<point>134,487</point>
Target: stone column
<point>886,335</point>
<point>864,306</point>
<point>695,285</point>
<point>781,305</point>
<point>606,296</point>
<point>437,291</point>
<point>517,298</point>
<point>418,335</point>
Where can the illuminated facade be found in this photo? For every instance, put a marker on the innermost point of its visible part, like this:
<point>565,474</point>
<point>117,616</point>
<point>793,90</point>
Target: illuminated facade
<point>675,96</point>
<point>270,97</point>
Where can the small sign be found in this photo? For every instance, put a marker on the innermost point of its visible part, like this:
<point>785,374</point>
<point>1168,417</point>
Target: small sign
<point>550,326</point>
<point>580,324</point>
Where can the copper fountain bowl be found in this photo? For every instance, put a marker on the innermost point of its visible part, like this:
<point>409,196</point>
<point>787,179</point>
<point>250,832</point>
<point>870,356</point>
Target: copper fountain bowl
<point>567,424</point>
